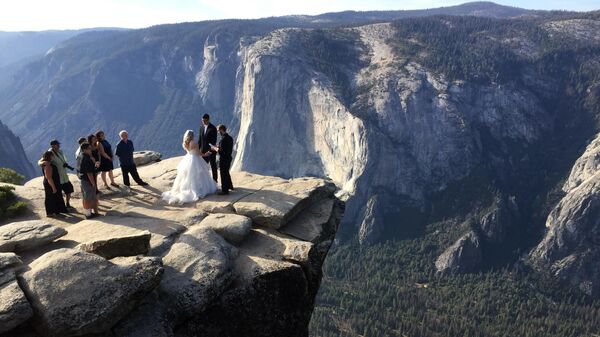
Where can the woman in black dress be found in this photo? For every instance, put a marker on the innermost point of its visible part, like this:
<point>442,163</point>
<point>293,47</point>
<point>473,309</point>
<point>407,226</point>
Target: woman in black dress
<point>54,202</point>
<point>93,141</point>
<point>106,159</point>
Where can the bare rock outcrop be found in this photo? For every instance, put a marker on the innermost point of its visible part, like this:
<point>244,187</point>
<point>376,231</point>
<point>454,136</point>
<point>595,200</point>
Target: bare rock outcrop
<point>570,250</point>
<point>213,267</point>
<point>462,257</point>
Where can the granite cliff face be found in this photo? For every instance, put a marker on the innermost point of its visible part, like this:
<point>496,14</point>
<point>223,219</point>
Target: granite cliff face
<point>213,268</point>
<point>12,154</point>
<point>570,250</point>
<point>403,133</point>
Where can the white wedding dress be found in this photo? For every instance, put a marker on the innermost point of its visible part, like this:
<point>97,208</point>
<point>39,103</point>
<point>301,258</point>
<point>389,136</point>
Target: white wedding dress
<point>194,179</point>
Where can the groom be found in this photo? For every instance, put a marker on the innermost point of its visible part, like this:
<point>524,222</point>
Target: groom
<point>225,151</point>
<point>208,138</point>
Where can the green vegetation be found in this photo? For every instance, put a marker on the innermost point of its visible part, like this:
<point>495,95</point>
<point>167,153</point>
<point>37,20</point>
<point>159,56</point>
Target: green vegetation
<point>390,289</point>
<point>491,50</point>
<point>335,53</point>
<point>10,176</point>
<point>10,207</point>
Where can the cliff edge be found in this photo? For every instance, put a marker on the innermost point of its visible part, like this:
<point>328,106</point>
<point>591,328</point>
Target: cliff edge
<point>246,264</point>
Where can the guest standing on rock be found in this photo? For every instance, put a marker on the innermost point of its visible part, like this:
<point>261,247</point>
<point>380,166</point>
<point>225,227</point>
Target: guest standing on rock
<point>106,159</point>
<point>87,177</point>
<point>78,154</point>
<point>225,151</point>
<point>60,161</point>
<point>208,138</point>
<point>54,202</point>
<point>93,141</point>
<point>125,153</point>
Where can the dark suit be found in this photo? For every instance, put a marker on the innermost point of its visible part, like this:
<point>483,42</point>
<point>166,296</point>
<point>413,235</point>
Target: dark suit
<point>206,138</point>
<point>225,158</point>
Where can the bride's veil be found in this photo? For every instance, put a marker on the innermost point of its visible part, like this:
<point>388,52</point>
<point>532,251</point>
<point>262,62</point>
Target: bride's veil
<point>188,136</point>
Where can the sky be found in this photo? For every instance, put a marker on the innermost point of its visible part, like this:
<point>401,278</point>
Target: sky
<point>34,15</point>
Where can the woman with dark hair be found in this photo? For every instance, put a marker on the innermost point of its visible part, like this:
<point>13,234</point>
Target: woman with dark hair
<point>93,141</point>
<point>54,202</point>
<point>106,159</point>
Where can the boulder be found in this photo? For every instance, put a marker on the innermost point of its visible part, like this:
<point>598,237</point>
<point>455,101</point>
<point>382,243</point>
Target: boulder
<point>109,240</point>
<point>463,256</point>
<point>9,260</point>
<point>14,307</point>
<point>234,228</point>
<point>26,235</point>
<point>274,206</point>
<point>197,270</point>
<point>146,157</point>
<point>75,293</point>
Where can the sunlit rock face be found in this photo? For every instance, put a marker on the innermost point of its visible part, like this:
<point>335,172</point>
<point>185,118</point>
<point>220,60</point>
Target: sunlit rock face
<point>404,133</point>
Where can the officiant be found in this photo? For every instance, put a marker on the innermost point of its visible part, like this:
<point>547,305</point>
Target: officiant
<point>225,151</point>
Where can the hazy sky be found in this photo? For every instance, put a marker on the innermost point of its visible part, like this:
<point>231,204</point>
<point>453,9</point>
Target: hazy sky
<point>19,15</point>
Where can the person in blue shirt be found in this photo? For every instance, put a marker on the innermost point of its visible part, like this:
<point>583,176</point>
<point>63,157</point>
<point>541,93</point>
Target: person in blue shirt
<point>125,153</point>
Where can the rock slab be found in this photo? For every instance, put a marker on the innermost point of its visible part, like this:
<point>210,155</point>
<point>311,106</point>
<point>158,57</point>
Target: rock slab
<point>274,206</point>
<point>109,240</point>
<point>26,235</point>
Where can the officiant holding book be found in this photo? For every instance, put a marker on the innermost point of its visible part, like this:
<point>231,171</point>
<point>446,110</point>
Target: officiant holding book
<point>225,151</point>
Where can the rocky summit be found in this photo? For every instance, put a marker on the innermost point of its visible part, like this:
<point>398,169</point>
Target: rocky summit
<point>212,268</point>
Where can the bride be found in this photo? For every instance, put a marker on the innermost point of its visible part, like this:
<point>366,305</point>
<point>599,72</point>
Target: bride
<point>194,180</point>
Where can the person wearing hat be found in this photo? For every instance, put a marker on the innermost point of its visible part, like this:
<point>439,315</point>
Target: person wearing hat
<point>59,160</point>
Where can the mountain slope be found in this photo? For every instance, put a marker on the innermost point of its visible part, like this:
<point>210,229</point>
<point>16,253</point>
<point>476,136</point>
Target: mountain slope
<point>16,46</point>
<point>12,154</point>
